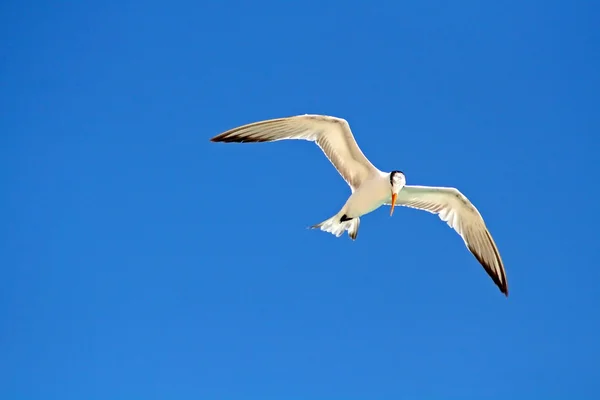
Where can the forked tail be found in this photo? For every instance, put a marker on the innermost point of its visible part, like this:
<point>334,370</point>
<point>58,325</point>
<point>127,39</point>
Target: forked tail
<point>337,225</point>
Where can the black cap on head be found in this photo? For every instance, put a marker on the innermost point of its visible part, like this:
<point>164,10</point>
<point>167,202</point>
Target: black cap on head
<point>394,173</point>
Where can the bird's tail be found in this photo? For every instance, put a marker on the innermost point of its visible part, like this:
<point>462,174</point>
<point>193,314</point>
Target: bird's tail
<point>336,226</point>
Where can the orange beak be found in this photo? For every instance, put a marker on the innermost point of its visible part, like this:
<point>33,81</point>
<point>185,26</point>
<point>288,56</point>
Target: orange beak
<point>393,203</point>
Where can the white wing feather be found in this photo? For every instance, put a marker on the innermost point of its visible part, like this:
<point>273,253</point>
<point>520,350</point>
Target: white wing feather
<point>331,134</point>
<point>461,215</point>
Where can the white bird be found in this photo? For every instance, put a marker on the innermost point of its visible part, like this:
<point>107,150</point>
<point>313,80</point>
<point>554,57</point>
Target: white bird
<point>372,188</point>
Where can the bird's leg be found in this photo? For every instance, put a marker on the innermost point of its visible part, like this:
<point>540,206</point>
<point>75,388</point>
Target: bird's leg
<point>345,218</point>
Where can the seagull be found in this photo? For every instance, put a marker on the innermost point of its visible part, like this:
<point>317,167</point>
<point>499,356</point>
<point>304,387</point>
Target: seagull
<point>372,188</point>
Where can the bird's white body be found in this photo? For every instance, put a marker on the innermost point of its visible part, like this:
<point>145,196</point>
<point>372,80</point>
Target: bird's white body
<point>369,196</point>
<point>371,188</point>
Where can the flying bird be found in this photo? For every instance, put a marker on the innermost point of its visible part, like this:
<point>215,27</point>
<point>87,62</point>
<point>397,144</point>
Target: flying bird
<point>372,188</point>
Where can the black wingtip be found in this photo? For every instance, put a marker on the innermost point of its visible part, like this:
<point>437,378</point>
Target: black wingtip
<point>229,138</point>
<point>502,286</point>
<point>217,139</point>
<point>500,281</point>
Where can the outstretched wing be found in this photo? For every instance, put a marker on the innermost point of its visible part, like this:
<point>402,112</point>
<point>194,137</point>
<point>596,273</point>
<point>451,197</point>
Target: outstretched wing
<point>331,134</point>
<point>461,215</point>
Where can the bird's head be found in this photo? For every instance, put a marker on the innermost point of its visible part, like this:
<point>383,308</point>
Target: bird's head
<point>397,182</point>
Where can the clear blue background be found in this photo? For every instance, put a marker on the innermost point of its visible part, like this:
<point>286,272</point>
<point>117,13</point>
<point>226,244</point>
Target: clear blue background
<point>141,261</point>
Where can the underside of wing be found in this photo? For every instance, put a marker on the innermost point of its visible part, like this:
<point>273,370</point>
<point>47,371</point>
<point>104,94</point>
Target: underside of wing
<point>331,134</point>
<point>461,215</point>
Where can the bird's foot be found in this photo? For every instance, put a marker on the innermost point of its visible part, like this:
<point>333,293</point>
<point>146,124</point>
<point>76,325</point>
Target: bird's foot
<point>345,218</point>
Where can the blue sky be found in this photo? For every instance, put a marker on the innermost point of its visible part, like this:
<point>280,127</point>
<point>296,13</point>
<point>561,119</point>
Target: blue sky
<point>139,260</point>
